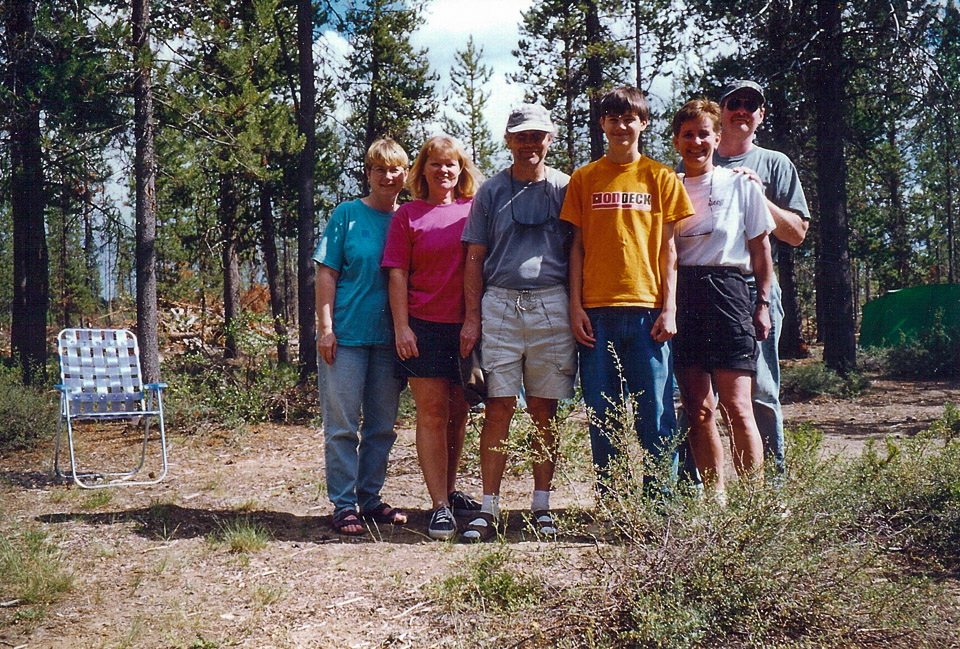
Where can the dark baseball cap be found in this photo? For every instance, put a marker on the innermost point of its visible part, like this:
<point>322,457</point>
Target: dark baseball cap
<point>742,84</point>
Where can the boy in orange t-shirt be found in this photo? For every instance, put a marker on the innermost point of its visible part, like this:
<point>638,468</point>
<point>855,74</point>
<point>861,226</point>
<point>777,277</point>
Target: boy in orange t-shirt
<point>623,281</point>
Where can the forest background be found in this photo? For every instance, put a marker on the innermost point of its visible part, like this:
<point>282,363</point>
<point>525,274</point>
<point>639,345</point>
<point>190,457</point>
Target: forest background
<point>236,126</point>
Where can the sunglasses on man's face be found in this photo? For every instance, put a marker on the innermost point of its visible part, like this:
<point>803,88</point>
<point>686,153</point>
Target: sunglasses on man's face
<point>750,104</point>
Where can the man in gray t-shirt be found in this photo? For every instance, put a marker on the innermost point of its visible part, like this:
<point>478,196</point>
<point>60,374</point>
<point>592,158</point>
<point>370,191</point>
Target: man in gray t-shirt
<point>518,310</point>
<point>742,111</point>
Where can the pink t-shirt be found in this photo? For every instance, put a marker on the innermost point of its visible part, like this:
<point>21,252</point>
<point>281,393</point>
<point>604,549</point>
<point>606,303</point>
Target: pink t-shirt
<point>425,239</point>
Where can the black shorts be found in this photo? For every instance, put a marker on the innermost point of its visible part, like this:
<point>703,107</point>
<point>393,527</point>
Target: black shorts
<point>714,320</point>
<point>439,347</point>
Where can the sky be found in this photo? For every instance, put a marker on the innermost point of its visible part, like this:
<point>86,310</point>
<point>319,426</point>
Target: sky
<point>449,23</point>
<point>493,25</point>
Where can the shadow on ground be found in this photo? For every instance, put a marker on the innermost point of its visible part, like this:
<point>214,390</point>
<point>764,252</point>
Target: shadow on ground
<point>167,522</point>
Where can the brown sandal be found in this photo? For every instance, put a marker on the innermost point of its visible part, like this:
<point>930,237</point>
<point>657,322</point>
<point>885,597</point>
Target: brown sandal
<point>384,514</point>
<point>482,527</point>
<point>347,518</point>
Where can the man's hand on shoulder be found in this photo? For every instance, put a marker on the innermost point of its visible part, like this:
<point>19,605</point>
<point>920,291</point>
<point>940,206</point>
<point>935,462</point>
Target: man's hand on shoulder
<point>749,173</point>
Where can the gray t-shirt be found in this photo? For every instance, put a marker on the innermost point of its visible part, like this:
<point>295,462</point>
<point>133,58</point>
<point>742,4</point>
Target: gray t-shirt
<point>781,182</point>
<point>528,247</point>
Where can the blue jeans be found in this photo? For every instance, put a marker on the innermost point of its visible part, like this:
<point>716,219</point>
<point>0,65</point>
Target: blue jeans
<point>645,373</point>
<point>766,382</point>
<point>359,397</point>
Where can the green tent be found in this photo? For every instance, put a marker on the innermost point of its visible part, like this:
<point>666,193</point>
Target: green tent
<point>908,311</point>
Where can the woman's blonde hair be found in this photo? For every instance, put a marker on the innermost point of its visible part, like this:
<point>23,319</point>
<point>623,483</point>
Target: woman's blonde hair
<point>470,176</point>
<point>386,152</point>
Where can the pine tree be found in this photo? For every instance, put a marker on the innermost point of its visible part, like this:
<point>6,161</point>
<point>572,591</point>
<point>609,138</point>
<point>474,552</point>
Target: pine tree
<point>145,181</point>
<point>468,100</point>
<point>560,61</point>
<point>232,124</point>
<point>389,85</point>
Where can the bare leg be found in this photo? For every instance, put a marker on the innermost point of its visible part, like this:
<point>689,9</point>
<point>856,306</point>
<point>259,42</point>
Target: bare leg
<point>497,414</point>
<point>542,411</point>
<point>696,392</point>
<point>734,387</point>
<point>432,398</point>
<point>456,428</point>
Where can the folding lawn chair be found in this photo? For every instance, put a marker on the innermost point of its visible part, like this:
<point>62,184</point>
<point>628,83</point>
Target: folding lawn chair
<point>100,381</point>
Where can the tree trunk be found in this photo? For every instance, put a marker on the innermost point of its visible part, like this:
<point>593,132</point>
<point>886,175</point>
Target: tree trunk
<point>30,262</point>
<point>306,299</point>
<point>948,185</point>
<point>373,104</point>
<point>146,208</point>
<point>902,251</point>
<point>568,111</point>
<point>231,264</point>
<point>636,43</point>
<point>792,344</point>
<point>90,253</point>
<point>61,271</point>
<point>594,81</point>
<point>274,280</point>
<point>833,272</point>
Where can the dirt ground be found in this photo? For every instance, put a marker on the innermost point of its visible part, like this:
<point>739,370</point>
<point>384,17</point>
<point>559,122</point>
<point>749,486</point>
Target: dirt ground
<point>150,573</point>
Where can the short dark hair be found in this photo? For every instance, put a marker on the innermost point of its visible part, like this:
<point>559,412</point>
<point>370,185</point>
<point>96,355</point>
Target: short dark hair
<point>625,99</point>
<point>695,109</point>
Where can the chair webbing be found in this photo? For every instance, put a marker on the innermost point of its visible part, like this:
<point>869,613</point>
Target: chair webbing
<point>100,370</point>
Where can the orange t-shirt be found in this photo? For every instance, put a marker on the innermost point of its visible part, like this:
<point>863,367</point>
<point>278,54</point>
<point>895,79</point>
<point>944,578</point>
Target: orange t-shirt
<point>621,210</point>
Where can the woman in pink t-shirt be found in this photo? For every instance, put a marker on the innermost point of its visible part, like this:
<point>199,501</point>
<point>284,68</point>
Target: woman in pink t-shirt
<point>425,259</point>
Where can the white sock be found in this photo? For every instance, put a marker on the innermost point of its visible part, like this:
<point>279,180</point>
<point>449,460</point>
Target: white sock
<point>541,500</point>
<point>491,505</point>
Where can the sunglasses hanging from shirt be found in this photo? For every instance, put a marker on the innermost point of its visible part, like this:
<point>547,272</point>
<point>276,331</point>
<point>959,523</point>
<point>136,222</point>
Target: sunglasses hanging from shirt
<point>538,219</point>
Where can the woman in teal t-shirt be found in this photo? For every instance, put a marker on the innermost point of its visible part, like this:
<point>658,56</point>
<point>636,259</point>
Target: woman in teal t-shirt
<point>356,368</point>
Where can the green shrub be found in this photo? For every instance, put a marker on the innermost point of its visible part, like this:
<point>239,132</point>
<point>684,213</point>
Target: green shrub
<point>907,493</point>
<point>27,414</point>
<point>806,380</point>
<point>948,425</point>
<point>836,557</point>
<point>933,353</point>
<point>487,582</point>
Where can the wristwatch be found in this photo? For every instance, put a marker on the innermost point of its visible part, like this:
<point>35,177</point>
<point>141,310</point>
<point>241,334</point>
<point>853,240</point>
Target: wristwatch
<point>765,303</point>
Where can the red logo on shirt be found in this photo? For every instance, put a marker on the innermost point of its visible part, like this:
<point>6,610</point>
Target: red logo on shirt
<point>622,200</point>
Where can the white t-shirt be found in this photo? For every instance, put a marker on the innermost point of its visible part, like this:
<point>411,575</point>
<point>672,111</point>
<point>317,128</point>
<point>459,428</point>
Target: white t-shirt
<point>730,210</point>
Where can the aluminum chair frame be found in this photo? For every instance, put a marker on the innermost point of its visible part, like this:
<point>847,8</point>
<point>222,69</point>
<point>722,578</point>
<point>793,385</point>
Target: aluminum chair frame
<point>100,380</point>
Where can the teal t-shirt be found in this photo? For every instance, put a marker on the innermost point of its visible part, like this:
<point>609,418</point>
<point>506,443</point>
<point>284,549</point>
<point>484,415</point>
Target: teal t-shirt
<point>352,244</point>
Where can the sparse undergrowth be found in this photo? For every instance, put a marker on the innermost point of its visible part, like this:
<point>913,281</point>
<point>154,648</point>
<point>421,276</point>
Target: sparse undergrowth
<point>931,353</point>
<point>206,393</point>
<point>28,414</point>
<point>806,380</point>
<point>489,581</point>
<point>845,554</point>
<point>32,573</point>
<point>241,535</point>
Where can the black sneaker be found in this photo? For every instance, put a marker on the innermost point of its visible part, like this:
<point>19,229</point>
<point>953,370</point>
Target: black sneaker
<point>461,503</point>
<point>443,526</point>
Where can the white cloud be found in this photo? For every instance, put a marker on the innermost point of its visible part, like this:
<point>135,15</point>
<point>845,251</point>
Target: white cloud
<point>494,27</point>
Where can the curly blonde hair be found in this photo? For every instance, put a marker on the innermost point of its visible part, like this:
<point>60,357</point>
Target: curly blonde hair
<point>470,176</point>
